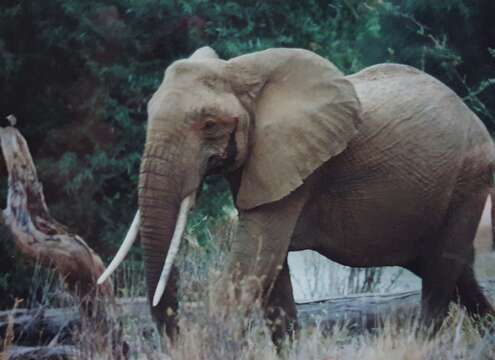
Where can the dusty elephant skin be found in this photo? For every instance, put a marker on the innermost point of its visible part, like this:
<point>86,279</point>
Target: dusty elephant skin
<point>384,167</point>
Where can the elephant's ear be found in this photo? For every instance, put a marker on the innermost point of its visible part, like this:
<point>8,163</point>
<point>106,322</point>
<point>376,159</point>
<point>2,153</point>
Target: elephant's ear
<point>305,112</point>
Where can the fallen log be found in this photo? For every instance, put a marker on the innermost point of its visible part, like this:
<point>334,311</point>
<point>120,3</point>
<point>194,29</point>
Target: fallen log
<point>362,312</point>
<point>40,326</point>
<point>41,353</point>
<point>56,334</point>
<point>359,312</point>
<point>37,235</point>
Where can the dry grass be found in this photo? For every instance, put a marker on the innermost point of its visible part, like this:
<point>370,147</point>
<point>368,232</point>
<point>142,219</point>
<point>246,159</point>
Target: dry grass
<point>213,328</point>
<point>210,332</point>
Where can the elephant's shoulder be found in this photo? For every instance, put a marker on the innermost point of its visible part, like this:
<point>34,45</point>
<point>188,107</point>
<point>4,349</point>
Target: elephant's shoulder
<point>385,71</point>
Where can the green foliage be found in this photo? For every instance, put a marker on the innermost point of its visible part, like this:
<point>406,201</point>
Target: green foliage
<point>78,75</point>
<point>326,27</point>
<point>215,206</point>
<point>449,39</point>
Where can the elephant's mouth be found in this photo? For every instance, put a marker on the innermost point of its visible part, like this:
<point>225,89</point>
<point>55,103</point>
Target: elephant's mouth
<point>222,163</point>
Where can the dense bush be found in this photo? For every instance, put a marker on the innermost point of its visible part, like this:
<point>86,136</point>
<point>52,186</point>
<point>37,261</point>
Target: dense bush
<point>78,75</point>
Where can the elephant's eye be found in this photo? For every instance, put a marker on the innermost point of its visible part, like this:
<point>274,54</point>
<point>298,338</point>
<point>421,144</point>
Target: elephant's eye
<point>209,125</point>
<point>210,128</point>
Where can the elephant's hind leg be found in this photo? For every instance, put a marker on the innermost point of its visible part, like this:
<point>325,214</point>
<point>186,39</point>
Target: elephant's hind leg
<point>444,263</point>
<point>471,296</point>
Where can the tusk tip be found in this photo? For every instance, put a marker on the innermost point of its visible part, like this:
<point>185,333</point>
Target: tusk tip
<point>101,280</point>
<point>158,295</point>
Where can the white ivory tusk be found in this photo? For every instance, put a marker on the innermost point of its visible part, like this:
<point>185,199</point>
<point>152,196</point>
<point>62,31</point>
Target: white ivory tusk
<point>124,248</point>
<point>180,226</point>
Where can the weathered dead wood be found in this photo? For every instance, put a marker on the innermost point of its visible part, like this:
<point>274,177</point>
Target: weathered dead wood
<point>37,235</point>
<point>40,326</point>
<point>367,311</point>
<point>41,239</point>
<point>56,333</point>
<point>359,312</point>
<point>41,353</point>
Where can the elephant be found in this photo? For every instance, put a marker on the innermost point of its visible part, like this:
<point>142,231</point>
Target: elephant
<point>383,167</point>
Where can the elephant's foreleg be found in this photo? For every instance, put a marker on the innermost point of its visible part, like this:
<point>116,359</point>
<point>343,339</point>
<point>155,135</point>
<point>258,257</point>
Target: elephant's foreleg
<point>281,308</point>
<point>261,246</point>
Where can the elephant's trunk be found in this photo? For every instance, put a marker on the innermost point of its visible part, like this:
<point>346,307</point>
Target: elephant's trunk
<point>173,249</point>
<point>160,197</point>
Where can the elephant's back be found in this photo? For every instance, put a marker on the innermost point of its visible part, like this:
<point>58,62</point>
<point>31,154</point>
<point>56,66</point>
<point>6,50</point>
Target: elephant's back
<point>412,124</point>
<point>393,94</point>
<point>423,117</point>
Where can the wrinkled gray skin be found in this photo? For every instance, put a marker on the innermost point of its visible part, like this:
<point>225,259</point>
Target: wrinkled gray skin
<point>384,167</point>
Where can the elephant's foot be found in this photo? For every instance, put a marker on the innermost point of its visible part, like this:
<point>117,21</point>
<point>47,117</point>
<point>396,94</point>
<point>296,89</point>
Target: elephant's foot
<point>434,308</point>
<point>164,314</point>
<point>283,326</point>
<point>281,309</point>
<point>165,325</point>
<point>471,296</point>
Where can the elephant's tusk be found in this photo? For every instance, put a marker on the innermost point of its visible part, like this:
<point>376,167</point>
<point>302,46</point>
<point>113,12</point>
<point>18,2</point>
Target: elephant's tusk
<point>124,248</point>
<point>180,226</point>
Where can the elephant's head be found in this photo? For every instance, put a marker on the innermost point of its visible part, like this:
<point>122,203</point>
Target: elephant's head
<point>275,115</point>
